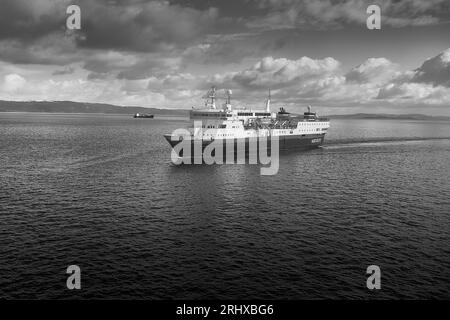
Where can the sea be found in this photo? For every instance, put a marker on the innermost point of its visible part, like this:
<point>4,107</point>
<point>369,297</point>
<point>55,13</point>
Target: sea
<point>101,192</point>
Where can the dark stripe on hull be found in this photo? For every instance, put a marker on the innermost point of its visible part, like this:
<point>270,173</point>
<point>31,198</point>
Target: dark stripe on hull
<point>294,142</point>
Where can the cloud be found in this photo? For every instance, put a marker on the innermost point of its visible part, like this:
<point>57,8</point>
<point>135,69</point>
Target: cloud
<point>13,82</point>
<point>150,65</point>
<point>326,14</point>
<point>405,91</point>
<point>270,72</point>
<point>109,61</point>
<point>435,70</point>
<point>415,93</point>
<point>229,49</point>
<point>127,65</point>
<point>176,81</point>
<point>428,84</point>
<point>146,27</point>
<point>323,82</point>
<point>125,25</point>
<point>375,82</point>
<point>373,70</point>
<point>66,70</point>
<point>119,92</point>
<point>31,20</point>
<point>156,33</point>
<point>53,49</point>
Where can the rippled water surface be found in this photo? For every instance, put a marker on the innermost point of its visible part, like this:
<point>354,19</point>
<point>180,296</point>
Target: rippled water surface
<point>100,191</point>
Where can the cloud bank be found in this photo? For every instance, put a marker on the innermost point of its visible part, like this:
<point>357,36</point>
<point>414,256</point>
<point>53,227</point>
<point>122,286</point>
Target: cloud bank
<point>294,84</point>
<point>167,53</point>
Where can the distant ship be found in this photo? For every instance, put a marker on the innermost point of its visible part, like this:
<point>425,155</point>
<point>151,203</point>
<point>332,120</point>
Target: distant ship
<point>294,131</point>
<point>145,115</point>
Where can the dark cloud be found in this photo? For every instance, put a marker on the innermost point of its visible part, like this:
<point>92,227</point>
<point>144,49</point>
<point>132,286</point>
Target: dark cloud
<point>435,70</point>
<point>30,20</point>
<point>130,25</point>
<point>52,49</point>
<point>229,49</point>
<point>327,14</point>
<point>145,27</point>
<point>203,32</point>
<point>431,81</point>
<point>146,67</point>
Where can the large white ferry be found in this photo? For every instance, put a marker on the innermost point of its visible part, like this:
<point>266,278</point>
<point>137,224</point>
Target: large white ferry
<point>242,124</point>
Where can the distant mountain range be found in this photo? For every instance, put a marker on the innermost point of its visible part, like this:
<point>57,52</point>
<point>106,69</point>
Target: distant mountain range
<point>408,116</point>
<point>82,107</point>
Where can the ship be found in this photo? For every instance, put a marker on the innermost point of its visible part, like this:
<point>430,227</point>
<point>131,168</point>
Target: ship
<point>145,115</point>
<point>240,125</point>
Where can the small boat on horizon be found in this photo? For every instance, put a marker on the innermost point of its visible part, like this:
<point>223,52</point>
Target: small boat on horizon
<point>145,115</point>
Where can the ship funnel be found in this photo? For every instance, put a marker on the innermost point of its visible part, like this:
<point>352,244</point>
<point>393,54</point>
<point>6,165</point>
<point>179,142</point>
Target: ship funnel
<point>309,108</point>
<point>228,103</point>
<point>268,103</point>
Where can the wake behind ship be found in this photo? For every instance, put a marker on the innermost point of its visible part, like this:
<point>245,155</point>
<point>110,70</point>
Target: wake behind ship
<point>240,125</point>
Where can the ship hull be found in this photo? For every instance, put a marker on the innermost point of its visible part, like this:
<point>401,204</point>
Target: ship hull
<point>289,142</point>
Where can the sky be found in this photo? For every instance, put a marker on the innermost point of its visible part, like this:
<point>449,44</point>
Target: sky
<point>167,54</point>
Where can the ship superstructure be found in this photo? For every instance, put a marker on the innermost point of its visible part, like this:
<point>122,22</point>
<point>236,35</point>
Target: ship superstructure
<point>240,124</point>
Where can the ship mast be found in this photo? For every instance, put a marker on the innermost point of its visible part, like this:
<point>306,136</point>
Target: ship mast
<point>228,102</point>
<point>268,103</point>
<point>212,95</point>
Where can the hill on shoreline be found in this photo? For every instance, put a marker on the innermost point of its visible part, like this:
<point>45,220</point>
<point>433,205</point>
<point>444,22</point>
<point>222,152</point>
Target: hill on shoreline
<point>388,116</point>
<point>82,107</point>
